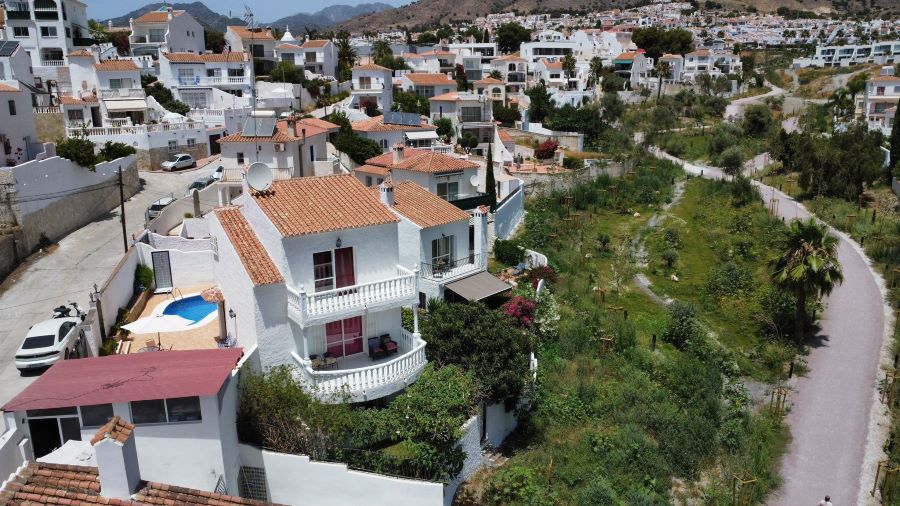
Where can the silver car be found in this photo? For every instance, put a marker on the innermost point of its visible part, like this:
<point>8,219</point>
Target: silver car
<point>179,161</point>
<point>157,207</point>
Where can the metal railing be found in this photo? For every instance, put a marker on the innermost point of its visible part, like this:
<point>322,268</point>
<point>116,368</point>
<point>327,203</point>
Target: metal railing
<point>212,80</point>
<point>367,87</point>
<point>448,270</point>
<point>329,305</point>
<point>370,382</point>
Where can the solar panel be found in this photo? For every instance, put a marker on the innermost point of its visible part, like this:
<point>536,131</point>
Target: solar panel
<point>402,118</point>
<point>8,47</point>
<point>259,127</point>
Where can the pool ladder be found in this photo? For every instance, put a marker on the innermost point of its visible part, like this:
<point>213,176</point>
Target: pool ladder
<point>180,295</point>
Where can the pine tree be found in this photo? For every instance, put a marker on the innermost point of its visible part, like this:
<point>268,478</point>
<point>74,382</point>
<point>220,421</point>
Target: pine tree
<point>489,183</point>
<point>895,142</point>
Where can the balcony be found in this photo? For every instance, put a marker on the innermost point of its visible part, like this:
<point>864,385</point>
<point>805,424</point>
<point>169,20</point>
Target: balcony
<point>467,202</point>
<point>446,271</point>
<point>46,13</point>
<point>366,87</point>
<point>320,307</point>
<point>214,81</point>
<point>233,175</point>
<point>52,63</point>
<point>123,93</point>
<point>19,14</point>
<point>138,129</point>
<point>356,381</point>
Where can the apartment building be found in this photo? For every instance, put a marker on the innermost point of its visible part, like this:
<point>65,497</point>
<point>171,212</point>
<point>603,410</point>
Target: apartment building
<point>194,78</point>
<point>514,70</point>
<point>371,88</point>
<point>551,50</point>
<point>885,52</point>
<point>258,42</point>
<point>469,113</point>
<point>166,31</point>
<point>882,94</point>
<point>427,85</point>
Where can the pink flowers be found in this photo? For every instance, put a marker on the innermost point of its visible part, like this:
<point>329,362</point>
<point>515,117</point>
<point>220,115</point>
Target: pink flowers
<point>522,310</point>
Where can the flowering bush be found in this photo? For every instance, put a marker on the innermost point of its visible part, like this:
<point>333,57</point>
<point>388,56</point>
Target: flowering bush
<point>544,272</point>
<point>545,150</point>
<point>522,310</point>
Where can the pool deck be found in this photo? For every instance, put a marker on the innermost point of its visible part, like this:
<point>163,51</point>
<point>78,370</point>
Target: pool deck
<point>199,338</point>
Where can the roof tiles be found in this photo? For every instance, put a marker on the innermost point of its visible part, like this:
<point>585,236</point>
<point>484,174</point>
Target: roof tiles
<point>422,207</point>
<point>421,79</point>
<point>115,66</point>
<point>157,17</point>
<point>419,160</point>
<point>377,124</point>
<point>253,255</point>
<point>247,33</point>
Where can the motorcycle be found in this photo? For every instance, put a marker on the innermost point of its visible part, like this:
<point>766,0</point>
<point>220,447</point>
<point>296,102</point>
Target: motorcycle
<point>64,312</point>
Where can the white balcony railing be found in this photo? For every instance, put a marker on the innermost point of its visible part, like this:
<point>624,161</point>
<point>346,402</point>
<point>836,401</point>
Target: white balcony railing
<point>232,175</point>
<point>321,307</point>
<point>213,80</point>
<point>52,63</point>
<point>139,129</point>
<point>362,87</point>
<point>122,93</point>
<point>370,382</point>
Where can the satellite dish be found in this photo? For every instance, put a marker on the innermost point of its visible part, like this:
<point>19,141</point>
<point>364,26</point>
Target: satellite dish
<point>474,180</point>
<point>259,177</point>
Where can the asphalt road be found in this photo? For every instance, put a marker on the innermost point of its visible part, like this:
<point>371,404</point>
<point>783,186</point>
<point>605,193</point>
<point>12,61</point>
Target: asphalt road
<point>831,407</point>
<point>67,272</point>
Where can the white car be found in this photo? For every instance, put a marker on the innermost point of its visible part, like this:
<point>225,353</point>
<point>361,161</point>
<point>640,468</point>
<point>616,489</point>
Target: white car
<point>217,174</point>
<point>179,161</point>
<point>48,342</point>
<point>157,207</point>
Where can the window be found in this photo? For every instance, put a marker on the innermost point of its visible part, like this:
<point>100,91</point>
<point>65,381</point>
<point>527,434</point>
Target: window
<point>470,114</point>
<point>20,31</point>
<point>115,84</point>
<point>213,72</point>
<point>344,337</point>
<point>448,190</point>
<point>288,57</point>
<point>180,409</point>
<point>173,146</point>
<point>191,143</point>
<point>157,35</point>
<point>68,33</point>
<point>12,107</point>
<point>64,330</point>
<point>236,72</point>
<point>96,415</point>
<point>240,158</point>
<point>368,180</point>
<point>442,251</point>
<point>75,114</point>
<point>48,31</point>
<point>384,144</point>
<point>323,271</point>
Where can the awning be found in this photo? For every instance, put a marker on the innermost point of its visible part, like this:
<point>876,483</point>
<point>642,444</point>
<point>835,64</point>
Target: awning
<point>133,104</point>
<point>421,136</point>
<point>478,287</point>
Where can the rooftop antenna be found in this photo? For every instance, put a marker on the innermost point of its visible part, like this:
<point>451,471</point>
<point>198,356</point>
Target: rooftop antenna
<point>251,25</point>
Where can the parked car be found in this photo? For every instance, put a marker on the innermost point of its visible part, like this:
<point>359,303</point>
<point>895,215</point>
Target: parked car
<point>48,342</point>
<point>218,173</point>
<point>179,161</point>
<point>200,184</point>
<point>157,207</point>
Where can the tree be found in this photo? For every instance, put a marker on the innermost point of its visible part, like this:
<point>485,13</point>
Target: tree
<point>468,141</point>
<point>490,184</point>
<point>455,334</point>
<point>568,66</point>
<point>856,85</point>
<point>659,41</point>
<point>807,266</point>
<point>410,102</point>
<point>541,106</point>
<point>840,103</point>
<point>596,70</point>
<point>79,149</point>
<point>358,148</point>
<point>663,71</point>
<point>286,72</point>
<point>496,74</point>
<point>510,36</point>
<point>757,120</point>
<point>462,81</point>
<point>427,38</point>
<point>382,54</point>
<point>346,55</point>
<point>612,107</point>
<point>895,144</point>
<point>705,83</point>
<point>506,115</point>
<point>732,159</point>
<point>215,40</point>
<point>444,127</point>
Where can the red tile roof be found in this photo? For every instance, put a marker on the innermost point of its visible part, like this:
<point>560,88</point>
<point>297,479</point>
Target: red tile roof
<point>429,79</point>
<point>115,66</point>
<point>246,33</point>
<point>124,378</point>
<point>371,66</point>
<point>422,207</point>
<point>311,205</point>
<point>250,251</point>
<point>67,100</point>
<point>157,17</point>
<point>373,169</point>
<point>223,57</point>
<point>288,46</point>
<point>315,43</point>
<point>377,124</point>
<point>419,160</point>
<point>451,96</point>
<point>80,52</point>
<point>489,80</point>
<point>554,65</point>
<point>117,429</point>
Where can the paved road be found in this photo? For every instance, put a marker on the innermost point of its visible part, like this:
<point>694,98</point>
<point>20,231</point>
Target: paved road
<point>68,272</point>
<point>832,406</point>
<point>736,107</point>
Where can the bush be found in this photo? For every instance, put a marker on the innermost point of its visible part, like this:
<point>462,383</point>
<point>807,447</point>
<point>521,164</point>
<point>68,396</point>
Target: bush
<point>729,280</point>
<point>78,149</point>
<point>543,272</point>
<point>166,99</point>
<point>114,150</point>
<point>444,127</point>
<point>670,257</point>
<point>571,163</point>
<point>732,160</point>
<point>508,252</point>
<point>546,150</point>
<point>682,326</point>
<point>597,493</point>
<point>625,335</point>
<point>143,276</point>
<point>518,485</point>
<point>521,310</point>
<point>672,238</point>
<point>743,192</point>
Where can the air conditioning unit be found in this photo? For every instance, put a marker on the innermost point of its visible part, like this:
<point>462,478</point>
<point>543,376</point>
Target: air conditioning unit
<point>279,146</point>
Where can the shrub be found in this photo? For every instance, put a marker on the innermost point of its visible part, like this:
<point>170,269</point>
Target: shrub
<point>522,310</point>
<point>670,257</point>
<point>672,238</point>
<point>729,279</point>
<point>597,493</point>
<point>571,163</point>
<point>732,160</point>
<point>468,140</point>
<point>625,335</point>
<point>518,485</point>
<point>143,276</point>
<point>508,252</point>
<point>444,127</point>
<point>682,325</point>
<point>114,150</point>
<point>166,99</point>
<point>545,272</point>
<point>743,192</point>
<point>79,149</point>
<point>546,150</point>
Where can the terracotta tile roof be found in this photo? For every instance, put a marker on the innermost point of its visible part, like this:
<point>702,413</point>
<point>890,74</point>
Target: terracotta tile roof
<point>45,483</point>
<point>504,136</point>
<point>246,33</point>
<point>670,57</point>
<point>278,136</point>
<point>421,79</point>
<point>157,17</point>
<point>311,205</point>
<point>223,57</point>
<point>509,57</point>
<point>7,88</point>
<point>373,169</point>
<point>253,255</point>
<point>422,207</point>
<point>116,428</point>
<point>315,43</point>
<point>629,55</point>
<point>885,78</point>
<point>287,46</point>
<point>489,80</point>
<point>452,96</point>
<point>80,52</point>
<point>371,66</point>
<point>315,126</point>
<point>115,66</point>
<point>377,124</point>
<point>552,65</point>
<point>67,100</point>
<point>419,160</point>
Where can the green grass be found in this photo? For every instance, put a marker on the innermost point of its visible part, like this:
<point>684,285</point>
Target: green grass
<point>695,145</point>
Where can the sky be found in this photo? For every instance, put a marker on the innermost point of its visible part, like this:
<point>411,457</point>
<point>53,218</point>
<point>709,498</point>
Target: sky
<point>264,10</point>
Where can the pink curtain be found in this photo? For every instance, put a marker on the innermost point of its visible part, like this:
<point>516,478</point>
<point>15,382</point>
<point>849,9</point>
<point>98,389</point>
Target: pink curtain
<point>344,337</point>
<point>334,338</point>
<point>343,267</point>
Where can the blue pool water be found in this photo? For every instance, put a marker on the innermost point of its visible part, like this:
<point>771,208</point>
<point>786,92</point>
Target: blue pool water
<point>192,308</point>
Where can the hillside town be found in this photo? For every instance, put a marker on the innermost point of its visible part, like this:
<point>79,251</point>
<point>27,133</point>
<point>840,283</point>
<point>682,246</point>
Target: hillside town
<point>641,255</point>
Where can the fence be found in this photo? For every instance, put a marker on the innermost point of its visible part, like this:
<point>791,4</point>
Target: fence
<point>173,214</point>
<point>509,214</point>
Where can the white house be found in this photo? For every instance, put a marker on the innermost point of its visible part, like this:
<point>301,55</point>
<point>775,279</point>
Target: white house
<point>166,31</point>
<point>427,85</point>
<point>311,267</point>
<point>183,404</point>
<point>491,88</point>
<point>387,133</point>
<point>554,49</point>
<point>634,67</point>
<point>18,132</point>
<point>714,63</point>
<point>319,56</point>
<point>469,113</point>
<point>193,78</point>
<point>550,72</point>
<point>371,88</point>
<point>259,42</point>
<point>881,98</point>
<point>514,70</point>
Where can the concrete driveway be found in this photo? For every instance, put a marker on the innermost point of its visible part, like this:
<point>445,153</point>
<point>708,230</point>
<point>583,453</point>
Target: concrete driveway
<point>833,416</point>
<point>68,271</point>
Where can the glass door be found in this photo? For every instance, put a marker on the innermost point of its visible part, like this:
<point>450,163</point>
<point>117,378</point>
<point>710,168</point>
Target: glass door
<point>344,337</point>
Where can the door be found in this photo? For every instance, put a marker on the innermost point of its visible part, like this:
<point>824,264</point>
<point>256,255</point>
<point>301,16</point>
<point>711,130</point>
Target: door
<point>45,436</point>
<point>162,270</point>
<point>214,147</point>
<point>343,267</point>
<point>344,337</point>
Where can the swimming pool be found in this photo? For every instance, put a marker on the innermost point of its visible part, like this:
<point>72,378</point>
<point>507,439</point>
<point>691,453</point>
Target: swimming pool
<point>192,308</point>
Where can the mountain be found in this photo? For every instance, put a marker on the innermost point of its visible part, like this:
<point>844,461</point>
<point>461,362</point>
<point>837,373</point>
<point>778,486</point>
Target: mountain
<point>208,18</point>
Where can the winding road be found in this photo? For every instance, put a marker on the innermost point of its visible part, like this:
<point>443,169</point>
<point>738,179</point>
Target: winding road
<point>837,422</point>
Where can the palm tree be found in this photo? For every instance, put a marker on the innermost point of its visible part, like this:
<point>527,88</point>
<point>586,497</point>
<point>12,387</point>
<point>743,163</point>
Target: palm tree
<point>346,53</point>
<point>596,70</point>
<point>568,65</point>
<point>382,54</point>
<point>840,103</point>
<point>807,266</point>
<point>855,86</point>
<point>662,71</point>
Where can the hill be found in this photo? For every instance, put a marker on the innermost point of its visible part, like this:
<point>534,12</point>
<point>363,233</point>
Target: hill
<point>210,19</point>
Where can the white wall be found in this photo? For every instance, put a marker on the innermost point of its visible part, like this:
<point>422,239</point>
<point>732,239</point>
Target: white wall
<point>20,128</point>
<point>189,268</point>
<point>14,448</point>
<point>173,214</point>
<point>116,293</point>
<point>296,480</point>
<point>509,215</point>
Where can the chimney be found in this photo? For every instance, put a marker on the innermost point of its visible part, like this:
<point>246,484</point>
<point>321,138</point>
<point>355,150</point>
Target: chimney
<point>269,31</point>
<point>480,219</point>
<point>398,153</point>
<point>117,460</point>
<point>109,24</point>
<point>169,12</point>
<point>386,191</point>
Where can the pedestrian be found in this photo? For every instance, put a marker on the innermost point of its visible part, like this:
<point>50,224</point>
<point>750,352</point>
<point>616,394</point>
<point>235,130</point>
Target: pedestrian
<point>826,501</point>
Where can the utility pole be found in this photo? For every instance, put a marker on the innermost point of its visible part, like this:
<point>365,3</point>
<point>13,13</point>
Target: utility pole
<point>122,210</point>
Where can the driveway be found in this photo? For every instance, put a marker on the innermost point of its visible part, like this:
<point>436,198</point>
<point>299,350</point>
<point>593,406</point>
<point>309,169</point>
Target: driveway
<point>831,408</point>
<point>67,272</point>
<point>736,108</point>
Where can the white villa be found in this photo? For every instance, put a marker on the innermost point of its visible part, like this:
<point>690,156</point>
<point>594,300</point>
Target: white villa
<point>879,105</point>
<point>427,85</point>
<point>469,112</point>
<point>388,133</point>
<point>166,31</point>
<point>371,87</point>
<point>200,80</point>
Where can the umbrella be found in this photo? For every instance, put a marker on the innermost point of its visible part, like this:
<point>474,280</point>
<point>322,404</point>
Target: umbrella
<point>158,324</point>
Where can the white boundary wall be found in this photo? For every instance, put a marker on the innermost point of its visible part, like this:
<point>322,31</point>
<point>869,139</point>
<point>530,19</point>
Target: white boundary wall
<point>14,449</point>
<point>509,215</point>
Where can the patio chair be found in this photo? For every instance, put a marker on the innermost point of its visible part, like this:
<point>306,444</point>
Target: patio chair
<point>389,345</point>
<point>375,349</point>
<point>317,362</point>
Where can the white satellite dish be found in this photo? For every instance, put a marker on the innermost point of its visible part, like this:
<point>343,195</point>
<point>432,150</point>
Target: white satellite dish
<point>474,180</point>
<point>259,177</point>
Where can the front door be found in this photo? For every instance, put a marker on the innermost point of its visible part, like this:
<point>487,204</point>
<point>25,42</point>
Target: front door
<point>343,268</point>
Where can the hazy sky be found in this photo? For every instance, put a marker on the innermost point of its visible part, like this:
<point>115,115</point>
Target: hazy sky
<point>265,10</point>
